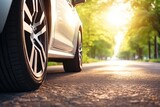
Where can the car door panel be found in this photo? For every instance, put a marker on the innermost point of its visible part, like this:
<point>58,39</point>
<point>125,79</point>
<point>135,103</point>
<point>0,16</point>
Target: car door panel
<point>65,26</point>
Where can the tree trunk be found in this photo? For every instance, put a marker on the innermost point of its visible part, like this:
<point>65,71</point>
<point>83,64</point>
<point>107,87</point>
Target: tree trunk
<point>155,48</point>
<point>149,49</point>
<point>140,53</point>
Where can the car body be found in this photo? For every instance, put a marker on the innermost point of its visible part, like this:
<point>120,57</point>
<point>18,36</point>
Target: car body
<point>33,32</point>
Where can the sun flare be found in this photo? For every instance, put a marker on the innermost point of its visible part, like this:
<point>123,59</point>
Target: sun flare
<point>119,15</point>
<point>118,39</point>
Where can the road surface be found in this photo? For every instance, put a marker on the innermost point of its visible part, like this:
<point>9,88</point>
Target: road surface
<point>103,84</point>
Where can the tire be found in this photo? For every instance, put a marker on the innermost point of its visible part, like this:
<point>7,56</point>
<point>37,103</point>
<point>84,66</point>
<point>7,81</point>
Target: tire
<point>75,64</point>
<point>24,47</point>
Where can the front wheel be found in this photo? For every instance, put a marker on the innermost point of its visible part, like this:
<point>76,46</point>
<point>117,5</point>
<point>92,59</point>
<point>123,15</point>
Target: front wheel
<point>23,47</point>
<point>75,64</point>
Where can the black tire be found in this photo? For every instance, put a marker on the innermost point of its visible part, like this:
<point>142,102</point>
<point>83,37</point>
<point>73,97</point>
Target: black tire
<point>75,64</point>
<point>23,47</point>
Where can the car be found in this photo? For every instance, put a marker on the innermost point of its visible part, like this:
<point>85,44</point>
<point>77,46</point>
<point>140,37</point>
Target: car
<point>33,32</point>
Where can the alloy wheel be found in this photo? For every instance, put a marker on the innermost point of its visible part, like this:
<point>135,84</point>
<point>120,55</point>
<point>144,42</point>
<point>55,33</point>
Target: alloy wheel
<point>80,50</point>
<point>35,36</point>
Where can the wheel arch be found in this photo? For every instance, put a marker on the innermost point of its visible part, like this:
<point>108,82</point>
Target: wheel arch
<point>47,6</point>
<point>81,30</point>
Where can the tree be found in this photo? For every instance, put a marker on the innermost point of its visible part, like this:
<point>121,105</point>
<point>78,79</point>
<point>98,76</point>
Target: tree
<point>144,28</point>
<point>94,29</point>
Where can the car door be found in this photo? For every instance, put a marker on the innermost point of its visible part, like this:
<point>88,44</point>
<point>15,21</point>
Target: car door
<point>65,26</point>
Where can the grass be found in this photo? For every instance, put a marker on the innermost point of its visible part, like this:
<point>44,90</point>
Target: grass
<point>88,60</point>
<point>54,63</point>
<point>152,60</point>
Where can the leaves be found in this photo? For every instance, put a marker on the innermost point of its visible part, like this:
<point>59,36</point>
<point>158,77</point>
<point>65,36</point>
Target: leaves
<point>95,34</point>
<point>144,27</point>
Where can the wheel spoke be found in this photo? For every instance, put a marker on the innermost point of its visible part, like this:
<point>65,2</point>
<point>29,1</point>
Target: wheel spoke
<point>41,32</point>
<point>80,50</point>
<point>32,55</point>
<point>80,55</point>
<point>34,8</point>
<point>27,27</point>
<point>36,11</point>
<point>26,9</point>
<point>41,20</point>
<point>35,62</point>
<point>40,53</point>
<point>42,49</point>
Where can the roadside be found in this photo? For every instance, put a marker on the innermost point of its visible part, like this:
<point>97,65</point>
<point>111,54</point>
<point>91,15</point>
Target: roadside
<point>153,60</point>
<point>88,60</point>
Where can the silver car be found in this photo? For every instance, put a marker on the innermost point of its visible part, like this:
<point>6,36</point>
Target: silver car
<point>33,32</point>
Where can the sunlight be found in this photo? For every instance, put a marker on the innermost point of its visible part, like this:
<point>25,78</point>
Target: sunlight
<point>118,68</point>
<point>119,16</point>
<point>118,39</point>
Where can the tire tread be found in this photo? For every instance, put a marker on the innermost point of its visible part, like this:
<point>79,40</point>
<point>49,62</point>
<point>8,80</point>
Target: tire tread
<point>13,76</point>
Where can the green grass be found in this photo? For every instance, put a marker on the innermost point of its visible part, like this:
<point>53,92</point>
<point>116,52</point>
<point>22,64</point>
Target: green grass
<point>54,63</point>
<point>87,60</point>
<point>152,60</point>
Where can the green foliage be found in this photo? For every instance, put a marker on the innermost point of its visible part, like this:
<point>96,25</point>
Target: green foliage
<point>144,27</point>
<point>95,35</point>
<point>154,60</point>
<point>98,37</point>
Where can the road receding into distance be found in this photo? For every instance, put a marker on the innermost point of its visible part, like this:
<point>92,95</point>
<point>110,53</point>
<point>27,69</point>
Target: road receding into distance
<point>102,84</point>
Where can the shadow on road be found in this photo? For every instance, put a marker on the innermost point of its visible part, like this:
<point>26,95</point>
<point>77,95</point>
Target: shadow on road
<point>86,67</point>
<point>54,72</point>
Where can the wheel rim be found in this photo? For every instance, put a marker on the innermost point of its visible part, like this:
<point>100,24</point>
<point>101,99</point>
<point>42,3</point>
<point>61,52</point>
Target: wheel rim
<point>35,36</point>
<point>80,50</point>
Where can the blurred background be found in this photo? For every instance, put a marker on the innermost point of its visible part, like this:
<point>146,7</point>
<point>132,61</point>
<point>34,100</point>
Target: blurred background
<point>120,29</point>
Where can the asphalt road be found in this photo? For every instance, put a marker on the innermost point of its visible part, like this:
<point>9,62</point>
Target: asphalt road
<point>104,84</point>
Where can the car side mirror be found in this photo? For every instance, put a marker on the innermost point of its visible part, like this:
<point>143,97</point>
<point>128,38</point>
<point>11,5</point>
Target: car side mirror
<point>75,2</point>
